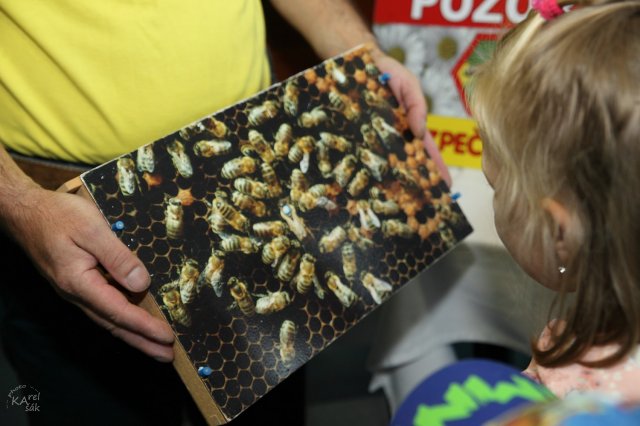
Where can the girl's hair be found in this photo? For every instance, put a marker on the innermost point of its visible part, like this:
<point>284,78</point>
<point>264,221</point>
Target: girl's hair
<point>558,106</point>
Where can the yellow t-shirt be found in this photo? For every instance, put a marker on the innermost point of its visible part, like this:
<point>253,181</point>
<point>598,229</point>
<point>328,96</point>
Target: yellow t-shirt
<point>88,80</point>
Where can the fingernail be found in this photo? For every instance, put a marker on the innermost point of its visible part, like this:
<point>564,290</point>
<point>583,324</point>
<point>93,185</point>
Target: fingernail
<point>137,280</point>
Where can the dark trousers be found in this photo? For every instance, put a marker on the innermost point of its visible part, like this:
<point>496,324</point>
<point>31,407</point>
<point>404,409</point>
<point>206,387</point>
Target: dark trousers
<point>85,376</point>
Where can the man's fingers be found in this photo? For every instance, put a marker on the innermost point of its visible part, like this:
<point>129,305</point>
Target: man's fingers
<point>160,352</point>
<point>110,304</point>
<point>409,95</point>
<point>435,155</point>
<point>117,259</point>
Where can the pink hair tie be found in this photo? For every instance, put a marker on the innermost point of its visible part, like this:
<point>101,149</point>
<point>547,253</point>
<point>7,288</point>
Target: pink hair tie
<point>548,9</point>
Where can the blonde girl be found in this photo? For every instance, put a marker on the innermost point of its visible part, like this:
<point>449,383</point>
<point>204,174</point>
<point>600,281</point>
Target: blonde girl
<point>558,106</point>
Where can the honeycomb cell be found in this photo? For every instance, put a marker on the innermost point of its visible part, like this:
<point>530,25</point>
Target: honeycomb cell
<point>259,386</point>
<point>230,369</point>
<point>314,325</point>
<point>243,361</point>
<point>269,360</point>
<point>247,397</point>
<point>227,351</point>
<point>271,377</point>
<point>214,360</point>
<point>255,352</point>
<point>226,335</point>
<point>216,379</point>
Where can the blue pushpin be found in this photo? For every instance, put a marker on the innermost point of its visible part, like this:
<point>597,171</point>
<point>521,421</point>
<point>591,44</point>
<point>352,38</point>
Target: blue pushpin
<point>117,226</point>
<point>384,77</point>
<point>455,196</point>
<point>286,209</point>
<point>204,371</point>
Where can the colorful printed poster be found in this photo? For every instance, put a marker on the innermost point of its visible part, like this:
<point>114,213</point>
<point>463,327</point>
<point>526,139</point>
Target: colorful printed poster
<point>441,42</point>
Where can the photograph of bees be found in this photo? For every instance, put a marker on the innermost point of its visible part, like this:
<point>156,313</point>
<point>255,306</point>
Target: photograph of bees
<point>273,226</point>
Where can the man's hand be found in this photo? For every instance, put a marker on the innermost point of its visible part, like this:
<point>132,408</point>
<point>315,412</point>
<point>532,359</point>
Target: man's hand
<point>333,26</point>
<point>406,88</point>
<point>69,241</point>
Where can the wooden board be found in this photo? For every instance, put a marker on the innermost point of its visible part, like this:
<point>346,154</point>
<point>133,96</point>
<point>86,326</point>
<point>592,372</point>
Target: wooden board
<point>355,209</point>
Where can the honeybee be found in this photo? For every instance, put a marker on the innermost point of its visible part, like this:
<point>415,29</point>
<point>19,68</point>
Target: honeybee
<point>245,245</point>
<point>145,159</point>
<point>345,295</point>
<point>245,202</point>
<point>377,165</point>
<point>406,179</point>
<point>194,129</point>
<point>233,217</point>
<point>295,222</point>
<point>354,235</point>
<point>331,241</point>
<point>287,267</point>
<point>359,182</point>
<point>217,221</point>
<point>335,142</point>
<point>173,304</point>
<point>446,234</point>
<point>342,103</point>
<point>445,211</point>
<point>371,139</point>
<point>211,148</point>
<point>212,273</point>
<point>252,187</point>
<point>188,280</point>
<point>298,185</point>
<point>387,208</point>
<point>344,170</point>
<point>336,72</point>
<point>371,70</point>
<point>283,139</point>
<point>180,159</point>
<point>313,118</point>
<point>273,250</point>
<point>274,228</point>
<point>368,218</point>
<point>396,228</point>
<point>387,133</point>
<point>376,193</point>
<point>376,100</point>
<point>378,288</point>
<point>262,113</point>
<point>324,160</point>
<point>349,264</point>
<point>308,201</point>
<point>317,288</point>
<point>290,98</point>
<point>240,166</point>
<point>248,150</point>
<point>287,340</point>
<point>241,296</point>
<point>127,179</point>
<point>261,146</point>
<point>173,218</point>
<point>272,302</point>
<point>216,127</point>
<point>301,151</point>
<point>304,279</point>
<point>271,179</point>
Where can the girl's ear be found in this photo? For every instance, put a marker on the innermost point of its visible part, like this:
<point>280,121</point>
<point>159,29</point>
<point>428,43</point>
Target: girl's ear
<point>562,222</point>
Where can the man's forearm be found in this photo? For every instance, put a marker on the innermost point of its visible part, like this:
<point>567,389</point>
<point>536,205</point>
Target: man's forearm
<point>14,185</point>
<point>330,26</point>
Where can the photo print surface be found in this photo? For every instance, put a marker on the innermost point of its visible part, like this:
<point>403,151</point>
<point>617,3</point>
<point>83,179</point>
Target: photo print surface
<point>273,226</point>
